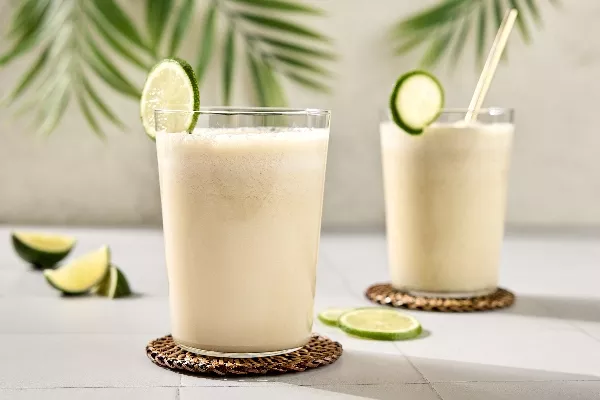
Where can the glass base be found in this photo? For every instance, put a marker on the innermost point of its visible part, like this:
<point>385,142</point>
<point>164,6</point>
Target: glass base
<point>449,295</point>
<point>211,353</point>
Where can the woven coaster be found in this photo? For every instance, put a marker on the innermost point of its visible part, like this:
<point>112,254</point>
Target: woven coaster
<point>385,294</point>
<point>319,351</point>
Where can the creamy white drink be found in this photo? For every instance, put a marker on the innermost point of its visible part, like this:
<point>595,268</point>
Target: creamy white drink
<point>242,216</point>
<point>445,196</point>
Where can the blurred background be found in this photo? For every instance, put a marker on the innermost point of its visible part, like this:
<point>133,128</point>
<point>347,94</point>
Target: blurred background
<point>73,151</point>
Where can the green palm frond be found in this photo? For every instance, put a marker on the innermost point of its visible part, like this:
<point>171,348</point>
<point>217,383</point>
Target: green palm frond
<point>278,46</point>
<point>80,45</point>
<point>445,27</point>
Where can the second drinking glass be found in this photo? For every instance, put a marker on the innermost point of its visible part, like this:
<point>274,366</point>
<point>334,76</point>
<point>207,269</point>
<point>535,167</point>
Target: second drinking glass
<point>445,197</point>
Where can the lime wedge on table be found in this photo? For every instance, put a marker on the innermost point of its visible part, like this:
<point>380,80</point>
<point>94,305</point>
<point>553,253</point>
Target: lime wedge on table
<point>380,323</point>
<point>40,249</point>
<point>170,85</point>
<point>331,316</point>
<point>114,284</point>
<point>82,274</point>
<point>416,101</point>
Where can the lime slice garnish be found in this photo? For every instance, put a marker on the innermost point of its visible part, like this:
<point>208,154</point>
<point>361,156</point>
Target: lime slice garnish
<point>114,284</point>
<point>331,316</point>
<point>82,274</point>
<point>380,323</point>
<point>416,101</point>
<point>170,85</point>
<point>40,249</point>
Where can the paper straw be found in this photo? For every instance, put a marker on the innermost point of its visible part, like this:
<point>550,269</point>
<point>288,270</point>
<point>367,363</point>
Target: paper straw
<point>489,69</point>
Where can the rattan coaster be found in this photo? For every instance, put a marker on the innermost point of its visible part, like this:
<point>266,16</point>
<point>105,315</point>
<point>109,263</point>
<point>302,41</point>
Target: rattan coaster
<point>319,351</point>
<point>385,294</point>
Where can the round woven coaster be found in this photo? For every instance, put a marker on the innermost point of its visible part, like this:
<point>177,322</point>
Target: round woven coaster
<point>385,294</point>
<point>319,351</point>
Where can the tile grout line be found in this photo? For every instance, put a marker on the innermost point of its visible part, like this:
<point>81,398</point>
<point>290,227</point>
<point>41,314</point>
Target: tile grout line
<point>439,396</point>
<point>566,321</point>
<point>261,384</point>
<point>340,275</point>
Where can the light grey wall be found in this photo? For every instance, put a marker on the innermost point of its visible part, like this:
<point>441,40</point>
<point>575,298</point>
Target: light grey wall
<point>73,178</point>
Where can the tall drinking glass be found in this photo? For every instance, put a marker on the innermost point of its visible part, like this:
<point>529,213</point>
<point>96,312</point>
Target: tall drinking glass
<point>445,196</point>
<point>241,199</point>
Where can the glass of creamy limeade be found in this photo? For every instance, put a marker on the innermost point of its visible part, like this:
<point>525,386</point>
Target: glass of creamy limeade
<point>445,183</point>
<point>242,194</point>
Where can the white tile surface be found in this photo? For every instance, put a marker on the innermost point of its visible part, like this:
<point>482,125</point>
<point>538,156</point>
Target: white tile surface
<point>90,360</point>
<point>90,394</point>
<point>412,391</point>
<point>519,391</point>
<point>288,392</point>
<point>84,315</point>
<point>548,343</point>
<point>504,353</point>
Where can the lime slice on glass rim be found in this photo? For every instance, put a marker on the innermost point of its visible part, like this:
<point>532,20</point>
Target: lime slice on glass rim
<point>82,274</point>
<point>40,249</point>
<point>170,85</point>
<point>380,324</point>
<point>416,101</point>
<point>331,316</point>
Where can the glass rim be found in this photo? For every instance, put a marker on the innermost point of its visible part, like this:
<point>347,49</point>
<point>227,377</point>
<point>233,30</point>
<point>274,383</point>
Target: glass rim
<point>486,110</point>
<point>252,111</point>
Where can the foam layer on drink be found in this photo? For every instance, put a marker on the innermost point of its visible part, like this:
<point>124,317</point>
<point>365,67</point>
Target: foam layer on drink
<point>445,193</point>
<point>241,214</point>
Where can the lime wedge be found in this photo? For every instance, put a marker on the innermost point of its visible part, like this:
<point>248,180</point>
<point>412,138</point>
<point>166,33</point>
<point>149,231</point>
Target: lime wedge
<point>114,284</point>
<point>82,274</point>
<point>416,101</point>
<point>332,315</point>
<point>40,249</point>
<point>170,85</point>
<point>380,324</point>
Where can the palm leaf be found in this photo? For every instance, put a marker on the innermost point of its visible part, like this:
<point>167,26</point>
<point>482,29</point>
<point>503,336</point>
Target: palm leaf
<point>521,23</point>
<point>228,64</point>
<point>455,17</point>
<point>89,116</point>
<point>207,42</point>
<point>101,105</point>
<point>460,41</point>
<point>55,109</point>
<point>535,12</point>
<point>105,33</point>
<point>308,82</point>
<point>114,15</point>
<point>111,70</point>
<point>294,47</point>
<point>259,85</point>
<point>278,5</point>
<point>282,25</point>
<point>443,13</point>
<point>436,49</point>
<point>410,44</point>
<point>27,14</point>
<point>481,34</point>
<point>29,76</point>
<point>157,14</point>
<point>296,63</point>
<point>181,24</point>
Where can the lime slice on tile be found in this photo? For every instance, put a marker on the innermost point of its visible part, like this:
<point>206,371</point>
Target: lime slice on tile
<point>41,249</point>
<point>170,85</point>
<point>331,316</point>
<point>416,101</point>
<point>380,324</point>
<point>82,274</point>
<point>114,284</point>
